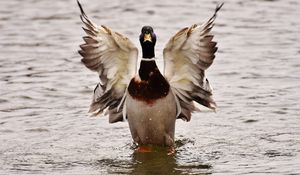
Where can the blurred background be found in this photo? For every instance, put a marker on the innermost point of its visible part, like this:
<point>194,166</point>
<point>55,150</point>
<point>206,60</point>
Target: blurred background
<point>45,91</point>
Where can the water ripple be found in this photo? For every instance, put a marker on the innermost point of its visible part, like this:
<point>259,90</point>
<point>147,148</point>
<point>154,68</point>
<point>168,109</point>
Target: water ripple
<point>45,91</point>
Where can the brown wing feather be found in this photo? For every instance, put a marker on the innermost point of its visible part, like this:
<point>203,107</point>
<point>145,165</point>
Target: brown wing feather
<point>114,58</point>
<point>187,55</point>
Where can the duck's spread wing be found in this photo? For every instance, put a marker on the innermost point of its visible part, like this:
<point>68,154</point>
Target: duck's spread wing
<point>114,57</point>
<point>186,56</point>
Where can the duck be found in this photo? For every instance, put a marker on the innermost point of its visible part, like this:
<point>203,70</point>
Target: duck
<point>149,100</point>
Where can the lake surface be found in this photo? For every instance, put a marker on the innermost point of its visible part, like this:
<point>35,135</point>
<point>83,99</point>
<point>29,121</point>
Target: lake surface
<point>45,91</point>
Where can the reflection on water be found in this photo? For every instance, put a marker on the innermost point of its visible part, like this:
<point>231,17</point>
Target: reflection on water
<point>45,91</point>
<point>156,162</point>
<point>153,163</point>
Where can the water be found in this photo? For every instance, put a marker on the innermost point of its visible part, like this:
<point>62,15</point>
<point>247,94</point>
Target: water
<point>45,91</point>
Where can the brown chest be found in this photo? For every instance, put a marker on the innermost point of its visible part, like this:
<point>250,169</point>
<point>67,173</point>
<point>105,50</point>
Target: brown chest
<point>150,90</point>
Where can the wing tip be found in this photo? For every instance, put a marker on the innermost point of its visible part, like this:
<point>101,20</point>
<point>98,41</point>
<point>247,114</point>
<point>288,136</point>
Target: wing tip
<point>218,7</point>
<point>81,9</point>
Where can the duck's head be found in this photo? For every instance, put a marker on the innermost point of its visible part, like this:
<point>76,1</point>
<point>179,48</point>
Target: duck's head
<point>148,40</point>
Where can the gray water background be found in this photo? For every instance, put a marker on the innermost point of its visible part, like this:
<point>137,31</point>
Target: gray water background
<point>45,91</point>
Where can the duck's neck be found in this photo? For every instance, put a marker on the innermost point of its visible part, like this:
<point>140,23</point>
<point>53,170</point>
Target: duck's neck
<point>147,67</point>
<point>148,50</point>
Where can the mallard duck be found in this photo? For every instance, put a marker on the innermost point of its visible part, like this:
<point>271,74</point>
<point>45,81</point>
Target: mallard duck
<point>149,100</point>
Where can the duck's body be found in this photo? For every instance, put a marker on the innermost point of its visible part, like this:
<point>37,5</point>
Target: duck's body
<point>150,103</point>
<point>154,122</point>
<point>149,100</point>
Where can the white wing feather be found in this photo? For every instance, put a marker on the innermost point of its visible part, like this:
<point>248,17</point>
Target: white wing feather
<point>114,58</point>
<point>186,57</point>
